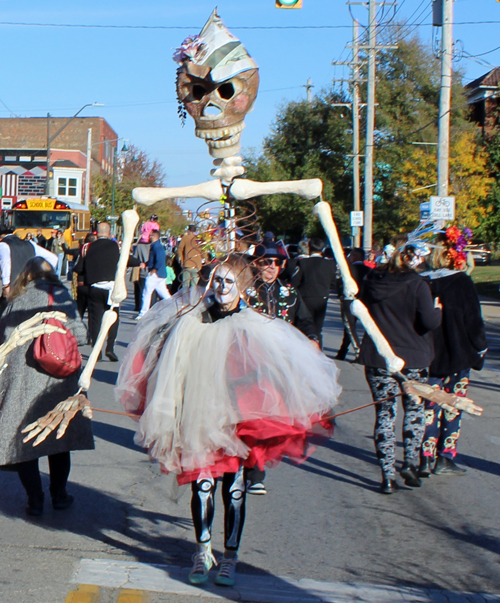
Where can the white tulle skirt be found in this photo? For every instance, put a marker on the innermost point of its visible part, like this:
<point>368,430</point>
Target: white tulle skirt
<point>211,396</point>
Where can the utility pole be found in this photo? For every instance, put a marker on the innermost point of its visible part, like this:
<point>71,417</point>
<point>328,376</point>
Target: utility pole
<point>370,126</point>
<point>309,86</point>
<point>89,167</point>
<point>355,131</point>
<point>443,151</point>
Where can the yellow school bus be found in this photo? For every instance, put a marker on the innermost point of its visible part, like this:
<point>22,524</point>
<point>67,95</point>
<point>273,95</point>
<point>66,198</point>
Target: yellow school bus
<point>46,214</point>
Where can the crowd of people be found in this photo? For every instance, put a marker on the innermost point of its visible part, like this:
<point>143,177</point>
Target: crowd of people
<point>222,389</point>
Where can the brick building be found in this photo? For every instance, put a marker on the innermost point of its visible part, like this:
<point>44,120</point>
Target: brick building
<point>483,94</point>
<point>23,156</point>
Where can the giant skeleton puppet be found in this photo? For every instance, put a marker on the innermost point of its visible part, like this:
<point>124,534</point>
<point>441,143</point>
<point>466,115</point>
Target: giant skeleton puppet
<point>217,83</point>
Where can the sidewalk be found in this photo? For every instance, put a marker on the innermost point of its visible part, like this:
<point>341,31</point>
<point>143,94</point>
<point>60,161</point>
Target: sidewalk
<point>491,311</point>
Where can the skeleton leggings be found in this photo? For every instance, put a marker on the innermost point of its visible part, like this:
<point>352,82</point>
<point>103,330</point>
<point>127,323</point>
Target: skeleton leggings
<point>383,386</point>
<point>442,427</point>
<point>203,507</point>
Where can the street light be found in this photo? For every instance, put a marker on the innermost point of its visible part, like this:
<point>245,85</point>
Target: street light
<point>113,217</point>
<point>50,138</point>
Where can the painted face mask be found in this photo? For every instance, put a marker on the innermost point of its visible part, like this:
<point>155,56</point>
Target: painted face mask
<point>224,285</point>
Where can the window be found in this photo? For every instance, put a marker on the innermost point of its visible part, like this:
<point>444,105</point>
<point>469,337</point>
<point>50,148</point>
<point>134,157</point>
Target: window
<point>67,187</point>
<point>61,186</point>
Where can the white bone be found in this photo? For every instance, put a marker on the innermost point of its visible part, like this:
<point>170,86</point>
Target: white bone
<point>394,363</point>
<point>233,160</point>
<point>241,189</point>
<point>108,319</point>
<point>228,172</point>
<point>324,212</point>
<point>130,219</point>
<point>212,191</point>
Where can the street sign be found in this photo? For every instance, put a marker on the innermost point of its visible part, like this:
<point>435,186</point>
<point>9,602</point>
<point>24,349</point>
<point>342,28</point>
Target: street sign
<point>6,203</point>
<point>112,218</point>
<point>357,218</point>
<point>442,208</point>
<point>425,211</point>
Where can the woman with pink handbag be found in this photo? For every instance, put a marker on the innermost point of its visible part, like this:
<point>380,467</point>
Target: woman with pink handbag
<point>28,390</point>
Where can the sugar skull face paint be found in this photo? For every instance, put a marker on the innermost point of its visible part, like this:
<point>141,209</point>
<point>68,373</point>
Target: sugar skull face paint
<point>224,285</point>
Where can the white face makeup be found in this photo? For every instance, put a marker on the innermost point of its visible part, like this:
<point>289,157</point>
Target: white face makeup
<point>224,285</point>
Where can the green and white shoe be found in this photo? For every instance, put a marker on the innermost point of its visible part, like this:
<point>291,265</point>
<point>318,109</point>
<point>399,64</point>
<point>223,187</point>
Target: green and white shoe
<point>226,575</point>
<point>203,561</point>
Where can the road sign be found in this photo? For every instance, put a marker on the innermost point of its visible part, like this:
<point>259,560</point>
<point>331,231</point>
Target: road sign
<point>442,208</point>
<point>6,203</point>
<point>425,211</point>
<point>357,218</point>
<point>112,218</point>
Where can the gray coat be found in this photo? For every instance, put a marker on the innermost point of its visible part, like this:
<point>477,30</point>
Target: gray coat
<point>27,392</point>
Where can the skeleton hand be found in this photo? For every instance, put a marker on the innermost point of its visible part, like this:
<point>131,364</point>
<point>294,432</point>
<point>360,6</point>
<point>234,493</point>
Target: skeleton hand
<point>61,415</point>
<point>449,402</point>
<point>30,329</point>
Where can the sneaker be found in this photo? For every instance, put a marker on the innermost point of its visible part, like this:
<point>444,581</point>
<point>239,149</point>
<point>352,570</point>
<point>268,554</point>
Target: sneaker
<point>445,466</point>
<point>226,576</point>
<point>256,488</point>
<point>203,562</point>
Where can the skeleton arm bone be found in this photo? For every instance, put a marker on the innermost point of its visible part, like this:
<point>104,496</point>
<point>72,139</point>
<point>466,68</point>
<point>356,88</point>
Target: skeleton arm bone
<point>393,362</point>
<point>241,189</point>
<point>108,319</point>
<point>324,212</point>
<point>130,219</point>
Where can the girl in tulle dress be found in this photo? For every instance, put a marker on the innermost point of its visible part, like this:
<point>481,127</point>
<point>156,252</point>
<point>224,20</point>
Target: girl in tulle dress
<point>219,388</point>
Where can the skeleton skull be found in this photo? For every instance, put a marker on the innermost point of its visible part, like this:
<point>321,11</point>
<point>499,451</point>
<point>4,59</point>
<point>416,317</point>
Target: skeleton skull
<point>218,108</point>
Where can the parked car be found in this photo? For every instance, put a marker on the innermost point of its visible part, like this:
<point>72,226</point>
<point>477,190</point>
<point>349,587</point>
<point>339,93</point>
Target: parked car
<point>481,252</point>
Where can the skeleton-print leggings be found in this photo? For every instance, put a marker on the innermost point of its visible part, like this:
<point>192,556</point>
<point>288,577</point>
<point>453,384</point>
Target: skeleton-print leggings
<point>383,386</point>
<point>203,507</point>
<point>442,427</point>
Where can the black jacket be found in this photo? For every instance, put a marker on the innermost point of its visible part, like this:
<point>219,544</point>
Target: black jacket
<point>279,300</point>
<point>403,309</point>
<point>313,277</point>
<point>99,264</point>
<point>461,334</point>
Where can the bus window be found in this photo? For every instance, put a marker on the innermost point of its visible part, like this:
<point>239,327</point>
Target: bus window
<point>41,219</point>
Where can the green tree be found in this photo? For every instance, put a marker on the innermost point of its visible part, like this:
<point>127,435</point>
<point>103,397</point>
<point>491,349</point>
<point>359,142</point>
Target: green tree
<point>307,140</point>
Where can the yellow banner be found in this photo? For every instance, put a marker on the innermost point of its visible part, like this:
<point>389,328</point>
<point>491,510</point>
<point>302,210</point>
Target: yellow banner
<point>40,203</point>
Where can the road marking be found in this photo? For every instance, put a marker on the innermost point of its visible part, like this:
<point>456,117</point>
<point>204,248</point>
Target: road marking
<point>85,593</point>
<point>258,589</point>
<point>131,596</point>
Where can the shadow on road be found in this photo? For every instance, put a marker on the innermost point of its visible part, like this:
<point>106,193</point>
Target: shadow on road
<point>116,435</point>
<point>122,526</point>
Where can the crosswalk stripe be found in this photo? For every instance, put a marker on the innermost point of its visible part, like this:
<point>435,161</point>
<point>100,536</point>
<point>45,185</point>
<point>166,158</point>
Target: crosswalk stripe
<point>85,593</point>
<point>131,596</point>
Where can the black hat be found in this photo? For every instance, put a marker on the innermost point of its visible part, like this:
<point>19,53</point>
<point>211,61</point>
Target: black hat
<point>269,250</point>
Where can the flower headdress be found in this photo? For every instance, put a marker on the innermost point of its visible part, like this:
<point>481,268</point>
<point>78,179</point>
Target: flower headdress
<point>456,241</point>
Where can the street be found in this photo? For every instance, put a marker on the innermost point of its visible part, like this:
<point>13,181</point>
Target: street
<point>322,533</point>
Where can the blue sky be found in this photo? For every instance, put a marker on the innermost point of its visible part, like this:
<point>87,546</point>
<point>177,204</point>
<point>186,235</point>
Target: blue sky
<point>59,69</point>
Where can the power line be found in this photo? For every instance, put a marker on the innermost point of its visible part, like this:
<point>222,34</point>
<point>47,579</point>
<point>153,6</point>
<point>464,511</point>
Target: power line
<point>483,53</point>
<point>241,27</point>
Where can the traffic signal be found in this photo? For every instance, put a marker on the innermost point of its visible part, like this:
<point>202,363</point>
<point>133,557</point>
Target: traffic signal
<point>288,4</point>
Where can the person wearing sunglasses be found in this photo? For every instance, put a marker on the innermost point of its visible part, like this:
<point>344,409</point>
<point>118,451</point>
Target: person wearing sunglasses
<point>276,299</point>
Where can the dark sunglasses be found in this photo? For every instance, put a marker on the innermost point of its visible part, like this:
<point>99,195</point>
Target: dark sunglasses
<point>270,262</point>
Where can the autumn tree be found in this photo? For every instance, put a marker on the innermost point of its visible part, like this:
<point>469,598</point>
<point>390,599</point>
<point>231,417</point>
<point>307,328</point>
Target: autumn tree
<point>134,168</point>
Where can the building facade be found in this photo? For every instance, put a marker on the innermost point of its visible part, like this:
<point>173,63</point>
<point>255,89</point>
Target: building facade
<point>24,156</point>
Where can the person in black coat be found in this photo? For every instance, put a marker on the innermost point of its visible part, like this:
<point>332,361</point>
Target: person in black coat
<point>401,304</point>
<point>460,344</point>
<point>358,270</point>
<point>313,277</point>
<point>99,268</point>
